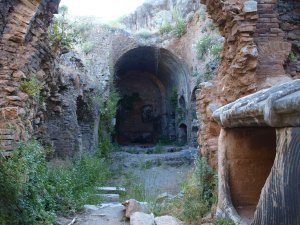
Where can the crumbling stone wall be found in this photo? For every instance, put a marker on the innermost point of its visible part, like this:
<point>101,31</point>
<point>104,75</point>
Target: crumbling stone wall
<point>209,129</point>
<point>258,39</point>
<point>23,50</point>
<point>71,121</point>
<point>54,115</point>
<point>289,23</point>
<point>236,73</point>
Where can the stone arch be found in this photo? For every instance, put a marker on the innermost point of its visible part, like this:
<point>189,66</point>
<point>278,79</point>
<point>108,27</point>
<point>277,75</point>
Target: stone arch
<point>16,33</point>
<point>147,75</point>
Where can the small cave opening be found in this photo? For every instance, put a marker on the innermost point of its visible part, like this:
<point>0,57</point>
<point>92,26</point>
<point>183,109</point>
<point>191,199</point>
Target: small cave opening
<point>182,134</point>
<point>194,119</point>
<point>182,102</point>
<point>86,123</point>
<point>82,111</point>
<point>145,77</point>
<point>250,156</point>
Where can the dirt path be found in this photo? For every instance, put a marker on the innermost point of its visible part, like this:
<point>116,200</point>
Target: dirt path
<point>111,214</point>
<point>157,170</point>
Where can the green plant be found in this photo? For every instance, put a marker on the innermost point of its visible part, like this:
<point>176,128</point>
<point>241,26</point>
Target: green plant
<point>24,195</point>
<point>31,85</point>
<point>165,28</point>
<point>293,56</point>
<point>210,25</point>
<point>190,18</point>
<point>198,195</point>
<point>199,191</point>
<point>61,32</point>
<point>202,13</point>
<point>144,33</point>
<point>216,49</point>
<point>147,165</point>
<point>158,149</point>
<point>135,187</point>
<point>207,76</point>
<point>73,182</point>
<point>202,46</point>
<point>87,47</point>
<point>224,222</point>
<point>180,26</point>
<point>31,192</point>
<point>195,73</point>
<point>108,110</point>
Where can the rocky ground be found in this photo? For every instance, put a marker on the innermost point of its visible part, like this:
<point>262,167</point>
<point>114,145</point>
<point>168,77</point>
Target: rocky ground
<point>158,171</point>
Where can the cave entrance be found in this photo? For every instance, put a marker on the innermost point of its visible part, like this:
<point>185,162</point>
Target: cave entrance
<point>182,134</point>
<point>146,78</point>
<point>250,156</point>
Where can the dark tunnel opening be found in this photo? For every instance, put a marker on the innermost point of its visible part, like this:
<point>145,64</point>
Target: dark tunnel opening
<point>146,78</point>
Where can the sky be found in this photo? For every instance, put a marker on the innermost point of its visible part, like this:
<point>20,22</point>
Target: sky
<point>106,9</point>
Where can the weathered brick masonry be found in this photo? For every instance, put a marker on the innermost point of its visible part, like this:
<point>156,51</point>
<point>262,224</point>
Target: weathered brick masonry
<point>259,36</point>
<point>23,49</point>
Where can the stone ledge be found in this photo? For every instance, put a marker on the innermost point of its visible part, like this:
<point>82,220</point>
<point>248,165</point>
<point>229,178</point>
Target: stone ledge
<point>278,106</point>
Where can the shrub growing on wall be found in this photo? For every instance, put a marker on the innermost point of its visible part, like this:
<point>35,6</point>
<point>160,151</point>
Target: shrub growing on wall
<point>202,46</point>
<point>31,85</point>
<point>108,110</point>
<point>165,28</point>
<point>61,33</point>
<point>180,26</point>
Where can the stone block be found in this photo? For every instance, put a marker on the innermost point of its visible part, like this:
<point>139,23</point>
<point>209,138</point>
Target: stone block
<point>167,220</point>
<point>9,113</point>
<point>132,206</point>
<point>250,6</point>
<point>139,218</point>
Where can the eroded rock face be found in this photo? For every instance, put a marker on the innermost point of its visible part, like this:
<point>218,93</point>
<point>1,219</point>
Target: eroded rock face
<point>209,130</point>
<point>153,13</point>
<point>56,115</point>
<point>70,111</point>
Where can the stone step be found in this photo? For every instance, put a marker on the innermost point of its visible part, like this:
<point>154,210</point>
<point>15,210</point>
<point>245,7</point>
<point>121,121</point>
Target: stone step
<point>111,190</point>
<point>107,198</point>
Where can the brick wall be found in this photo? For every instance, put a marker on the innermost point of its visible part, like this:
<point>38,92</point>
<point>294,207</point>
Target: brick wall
<point>23,49</point>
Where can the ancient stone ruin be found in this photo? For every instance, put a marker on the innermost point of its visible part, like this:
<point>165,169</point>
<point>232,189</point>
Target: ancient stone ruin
<point>259,135</point>
<point>245,120</point>
<point>148,75</point>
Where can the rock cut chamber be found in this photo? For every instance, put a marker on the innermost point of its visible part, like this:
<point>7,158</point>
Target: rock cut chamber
<point>151,82</point>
